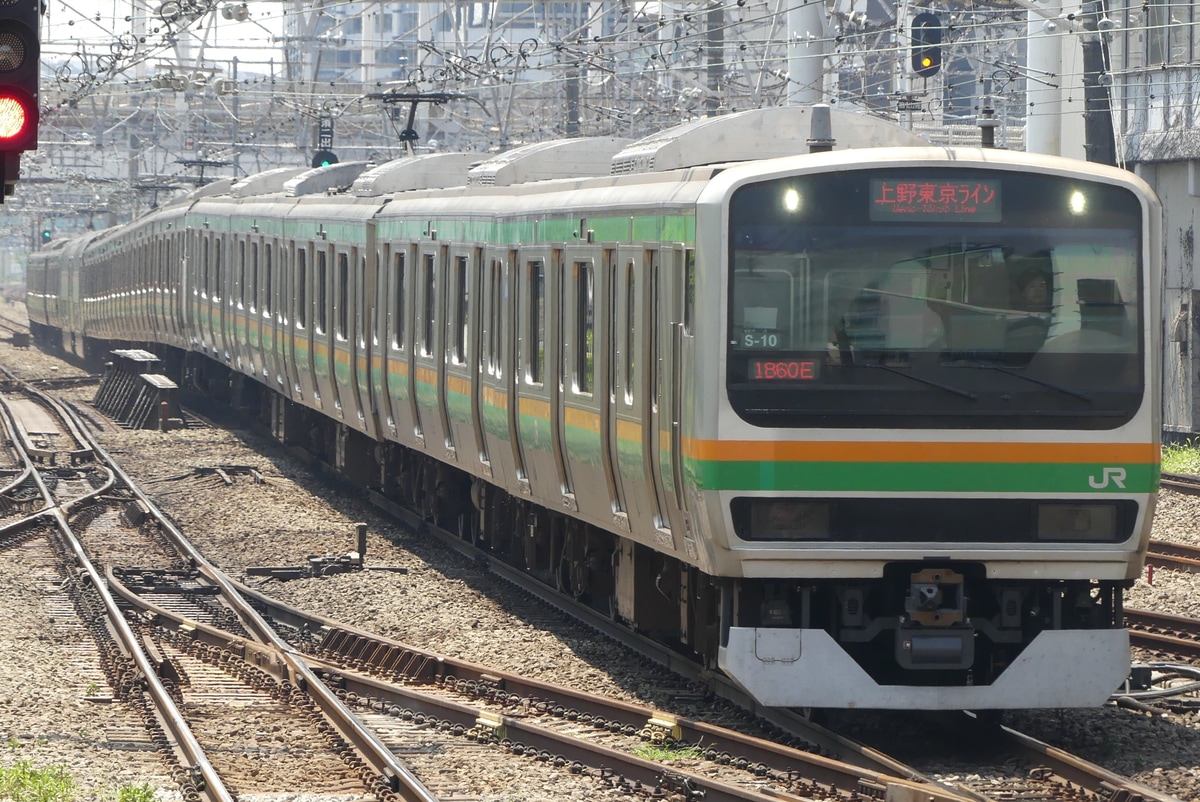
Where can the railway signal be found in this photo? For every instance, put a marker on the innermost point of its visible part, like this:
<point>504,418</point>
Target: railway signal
<point>926,44</point>
<point>324,158</point>
<point>19,76</point>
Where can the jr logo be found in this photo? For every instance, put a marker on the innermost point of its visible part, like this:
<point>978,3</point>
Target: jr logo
<point>1114,475</point>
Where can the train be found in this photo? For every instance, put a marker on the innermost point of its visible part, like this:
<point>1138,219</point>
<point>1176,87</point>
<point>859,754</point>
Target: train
<point>858,421</point>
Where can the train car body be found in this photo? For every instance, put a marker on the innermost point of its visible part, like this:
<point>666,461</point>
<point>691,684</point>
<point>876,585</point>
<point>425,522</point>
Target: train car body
<point>871,428</point>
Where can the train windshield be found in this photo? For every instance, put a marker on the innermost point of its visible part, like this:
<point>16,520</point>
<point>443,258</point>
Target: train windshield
<point>930,297</point>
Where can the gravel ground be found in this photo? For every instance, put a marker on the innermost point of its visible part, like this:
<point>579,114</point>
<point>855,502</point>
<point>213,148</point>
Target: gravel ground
<point>441,603</point>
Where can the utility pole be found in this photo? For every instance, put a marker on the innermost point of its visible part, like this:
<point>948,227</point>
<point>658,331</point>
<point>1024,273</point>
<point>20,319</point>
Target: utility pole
<point>715,45</point>
<point>1099,140</point>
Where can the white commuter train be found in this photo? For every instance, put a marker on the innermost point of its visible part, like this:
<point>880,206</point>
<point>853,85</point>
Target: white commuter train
<point>876,427</point>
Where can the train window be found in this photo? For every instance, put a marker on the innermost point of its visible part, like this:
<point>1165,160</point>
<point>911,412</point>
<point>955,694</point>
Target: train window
<point>342,295</point>
<point>301,287</point>
<point>204,269</point>
<point>585,328</point>
<point>360,306</point>
<point>689,290</point>
<point>216,288</point>
<point>321,293</point>
<point>252,292</point>
<point>240,291</point>
<point>268,278</point>
<point>398,301</point>
<point>430,305</point>
<point>630,330</point>
<point>536,342</point>
<point>495,338</point>
<point>460,300</point>
<point>652,301</point>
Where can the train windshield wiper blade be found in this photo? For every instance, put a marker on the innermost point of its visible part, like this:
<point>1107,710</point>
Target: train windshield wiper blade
<point>962,393</point>
<point>1049,385</point>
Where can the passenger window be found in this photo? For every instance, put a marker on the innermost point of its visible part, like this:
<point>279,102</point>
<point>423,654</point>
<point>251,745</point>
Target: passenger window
<point>689,290</point>
<point>252,290</point>
<point>268,279</point>
<point>240,290</point>
<point>342,295</point>
<point>536,345</point>
<point>216,288</point>
<point>430,305</point>
<point>322,282</point>
<point>398,301</point>
<point>460,300</point>
<point>584,334</point>
<point>630,330</point>
<point>301,287</point>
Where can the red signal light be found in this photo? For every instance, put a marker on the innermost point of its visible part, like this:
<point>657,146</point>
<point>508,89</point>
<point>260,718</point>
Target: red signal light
<point>18,118</point>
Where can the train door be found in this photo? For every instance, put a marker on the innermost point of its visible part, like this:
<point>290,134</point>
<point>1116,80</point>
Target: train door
<point>303,321</point>
<point>268,315</point>
<point>355,393</point>
<point>175,290</point>
<point>609,338</point>
<point>585,386</point>
<point>502,454</point>
<point>667,269</point>
<point>538,371</point>
<point>253,301</point>
<point>657,352</point>
<point>342,388</point>
<point>492,399</point>
<point>400,381</point>
<point>367,361</point>
<point>222,299</point>
<point>285,317</point>
<point>429,347</point>
<point>323,325</point>
<point>635,433</point>
<point>463,370</point>
<point>239,312</point>
<point>208,262</point>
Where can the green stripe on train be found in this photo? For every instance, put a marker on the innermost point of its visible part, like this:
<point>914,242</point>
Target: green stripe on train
<point>635,228</point>
<point>937,477</point>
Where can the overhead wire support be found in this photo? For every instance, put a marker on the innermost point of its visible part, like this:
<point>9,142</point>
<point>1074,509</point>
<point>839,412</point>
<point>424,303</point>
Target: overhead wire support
<point>409,135</point>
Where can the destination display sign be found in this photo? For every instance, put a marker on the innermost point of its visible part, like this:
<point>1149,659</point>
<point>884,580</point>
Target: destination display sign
<point>935,200</point>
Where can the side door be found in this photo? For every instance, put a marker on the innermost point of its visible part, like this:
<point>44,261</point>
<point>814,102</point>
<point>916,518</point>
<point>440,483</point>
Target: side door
<point>430,348</point>
<point>399,367</point>
<point>463,373</point>
<point>537,372</point>
<point>635,434</point>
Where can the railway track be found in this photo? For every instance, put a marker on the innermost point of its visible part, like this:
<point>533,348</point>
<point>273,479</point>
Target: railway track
<point>1182,482</point>
<point>92,509</point>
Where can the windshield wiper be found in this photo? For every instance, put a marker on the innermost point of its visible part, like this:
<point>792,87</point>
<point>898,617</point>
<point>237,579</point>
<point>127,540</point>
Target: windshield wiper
<point>1049,385</point>
<point>962,393</point>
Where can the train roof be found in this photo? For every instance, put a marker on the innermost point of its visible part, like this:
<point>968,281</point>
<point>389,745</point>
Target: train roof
<point>742,136</point>
<point>757,134</point>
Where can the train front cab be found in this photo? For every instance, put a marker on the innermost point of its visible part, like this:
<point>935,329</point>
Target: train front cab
<point>919,513</point>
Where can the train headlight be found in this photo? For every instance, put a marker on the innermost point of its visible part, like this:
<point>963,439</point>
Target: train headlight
<point>780,519</point>
<point>1083,522</point>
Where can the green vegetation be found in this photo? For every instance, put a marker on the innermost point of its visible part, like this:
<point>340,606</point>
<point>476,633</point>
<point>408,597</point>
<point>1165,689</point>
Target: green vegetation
<point>663,753</point>
<point>135,793</point>
<point>1181,457</point>
<point>24,783</point>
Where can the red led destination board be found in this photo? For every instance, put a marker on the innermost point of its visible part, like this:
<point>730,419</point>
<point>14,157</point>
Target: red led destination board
<point>796,370</point>
<point>935,200</point>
